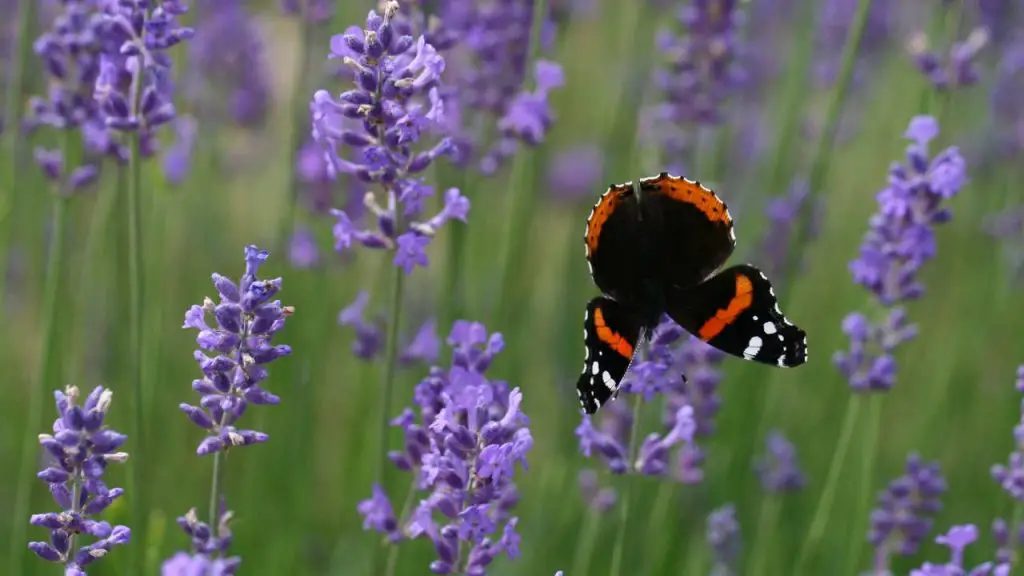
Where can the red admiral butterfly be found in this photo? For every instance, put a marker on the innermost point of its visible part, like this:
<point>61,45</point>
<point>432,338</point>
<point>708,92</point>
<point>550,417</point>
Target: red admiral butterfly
<point>652,250</point>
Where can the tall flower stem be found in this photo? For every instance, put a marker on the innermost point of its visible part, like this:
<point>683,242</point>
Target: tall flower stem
<point>823,511</point>
<point>216,476</point>
<point>46,372</point>
<point>627,494</point>
<point>767,520</point>
<point>867,478</point>
<point>826,142</point>
<point>135,294</point>
<point>585,546</point>
<point>392,563</point>
<point>12,117</point>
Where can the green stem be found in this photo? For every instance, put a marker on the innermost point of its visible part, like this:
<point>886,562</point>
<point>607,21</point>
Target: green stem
<point>392,563</point>
<point>826,142</point>
<point>823,512</point>
<point>767,524</point>
<point>620,539</point>
<point>659,515</point>
<point>453,305</point>
<point>217,476</point>
<point>585,545</point>
<point>135,295</point>
<point>867,482</point>
<point>44,375</point>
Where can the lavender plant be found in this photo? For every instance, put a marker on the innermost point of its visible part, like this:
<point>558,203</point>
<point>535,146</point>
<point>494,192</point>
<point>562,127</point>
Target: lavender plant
<point>246,321</point>
<point>953,70</point>
<point>386,121</point>
<point>957,539</point>
<point>79,450</point>
<point>723,536</point>
<point>462,444</point>
<point>905,512</point>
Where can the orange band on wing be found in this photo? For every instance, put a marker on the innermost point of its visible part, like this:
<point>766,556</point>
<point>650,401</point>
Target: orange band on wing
<point>695,195</point>
<point>604,208</point>
<point>611,337</point>
<point>724,316</point>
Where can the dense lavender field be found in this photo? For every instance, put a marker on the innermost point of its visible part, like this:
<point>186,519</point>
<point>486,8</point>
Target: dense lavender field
<point>391,209</point>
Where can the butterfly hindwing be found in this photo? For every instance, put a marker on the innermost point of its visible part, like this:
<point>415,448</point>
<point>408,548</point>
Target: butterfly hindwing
<point>690,226</point>
<point>736,311</point>
<point>611,334</point>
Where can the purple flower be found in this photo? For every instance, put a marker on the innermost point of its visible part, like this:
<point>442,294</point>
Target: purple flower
<point>701,73</point>
<point>385,125</point>
<point>302,249</point>
<point>834,21</point>
<point>70,52</point>
<point>1007,539</point>
<point>957,540</point>
<point>575,173</point>
<point>78,452</point>
<point>1004,137</point>
<point>246,320</point>
<point>178,158</point>
<point>899,241</point>
<point>905,510</point>
<point>316,10</point>
<point>598,499</point>
<point>133,85</point>
<point>779,468</point>
<point>953,70</point>
<point>723,536</point>
<point>463,444</point>
<point>369,335</point>
<point>228,73</point>
<point>209,545</point>
<point>1011,475</point>
<point>783,212</point>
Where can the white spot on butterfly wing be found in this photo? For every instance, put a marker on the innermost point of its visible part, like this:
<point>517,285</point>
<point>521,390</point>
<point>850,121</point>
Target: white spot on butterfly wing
<point>769,327</point>
<point>594,368</point>
<point>609,382</point>
<point>753,347</point>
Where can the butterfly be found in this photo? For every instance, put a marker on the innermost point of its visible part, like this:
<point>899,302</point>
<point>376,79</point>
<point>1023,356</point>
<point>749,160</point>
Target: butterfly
<point>653,249</point>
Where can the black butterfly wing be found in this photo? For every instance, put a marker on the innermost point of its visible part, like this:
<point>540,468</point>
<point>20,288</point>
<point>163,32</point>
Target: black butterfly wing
<point>611,334</point>
<point>736,311</point>
<point>613,239</point>
<point>690,228</point>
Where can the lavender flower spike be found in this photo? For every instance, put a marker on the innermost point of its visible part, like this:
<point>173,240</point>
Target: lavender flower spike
<point>208,547</point>
<point>905,509</point>
<point>386,121</point>
<point>246,321</point>
<point>957,540</point>
<point>80,449</point>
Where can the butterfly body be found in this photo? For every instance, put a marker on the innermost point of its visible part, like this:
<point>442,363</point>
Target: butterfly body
<point>653,249</point>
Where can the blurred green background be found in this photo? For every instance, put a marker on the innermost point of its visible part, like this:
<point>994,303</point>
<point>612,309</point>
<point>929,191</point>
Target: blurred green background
<point>295,497</point>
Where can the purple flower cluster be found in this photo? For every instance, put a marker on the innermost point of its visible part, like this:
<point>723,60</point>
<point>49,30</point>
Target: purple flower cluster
<point>783,212</point>
<point>900,240</point>
<point>79,450</point>
<point>953,70</point>
<point>369,334</point>
<point>1007,110</point>
<point>246,321</point>
<point>702,72</point>
<point>133,85</point>
<point>957,540</point>
<point>779,468</point>
<point>226,57</point>
<point>71,52</point>
<point>723,535</point>
<point>488,44</point>
<point>463,447</point>
<point>209,546</point>
<point>385,122</point>
<point>1011,475</point>
<point>905,510</point>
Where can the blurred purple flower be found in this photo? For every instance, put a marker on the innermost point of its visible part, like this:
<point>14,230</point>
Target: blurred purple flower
<point>723,536</point>
<point>228,71</point>
<point>425,345</point>
<point>462,448</point>
<point>1004,138</point>
<point>209,545</point>
<point>316,10</point>
<point>598,499</point>
<point>779,468</point>
<point>834,23</point>
<point>385,121</point>
<point>302,249</point>
<point>71,52</point>
<point>702,72</point>
<point>1007,540</point>
<point>79,450</point>
<point>369,334</point>
<point>178,158</point>
<point>575,172</point>
<point>957,540</point>
<point>133,85</point>
<point>246,321</point>
<point>953,70</point>
<point>1011,475</point>
<point>903,517</point>
<point>782,212</point>
<point>899,241</point>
